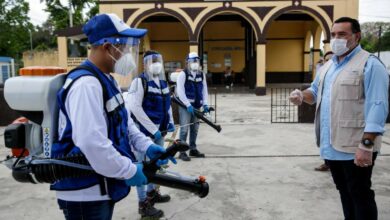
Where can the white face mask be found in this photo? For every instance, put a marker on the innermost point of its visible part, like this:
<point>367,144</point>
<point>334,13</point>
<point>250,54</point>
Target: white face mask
<point>155,69</point>
<point>194,66</point>
<point>125,65</point>
<point>339,46</point>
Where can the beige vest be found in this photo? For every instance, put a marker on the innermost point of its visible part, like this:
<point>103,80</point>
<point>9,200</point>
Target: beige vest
<point>347,105</point>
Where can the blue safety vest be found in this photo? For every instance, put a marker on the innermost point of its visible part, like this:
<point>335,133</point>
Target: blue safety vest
<point>156,104</point>
<point>194,88</point>
<point>117,133</point>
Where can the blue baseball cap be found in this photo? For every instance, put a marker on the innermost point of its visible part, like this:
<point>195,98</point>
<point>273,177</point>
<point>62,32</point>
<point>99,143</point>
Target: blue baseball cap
<point>109,25</point>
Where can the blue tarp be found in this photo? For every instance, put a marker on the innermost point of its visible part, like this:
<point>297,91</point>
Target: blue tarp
<point>5,59</point>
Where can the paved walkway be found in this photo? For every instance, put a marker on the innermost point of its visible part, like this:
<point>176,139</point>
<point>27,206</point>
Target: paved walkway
<point>256,170</point>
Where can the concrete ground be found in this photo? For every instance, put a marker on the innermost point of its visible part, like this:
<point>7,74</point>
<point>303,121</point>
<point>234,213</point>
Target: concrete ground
<point>255,169</point>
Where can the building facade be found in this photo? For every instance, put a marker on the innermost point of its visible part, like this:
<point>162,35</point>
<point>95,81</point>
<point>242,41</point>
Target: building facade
<point>263,41</point>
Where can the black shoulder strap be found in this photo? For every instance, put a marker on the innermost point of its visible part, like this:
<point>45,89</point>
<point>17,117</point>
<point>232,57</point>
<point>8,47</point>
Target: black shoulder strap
<point>187,74</point>
<point>144,86</point>
<point>202,75</point>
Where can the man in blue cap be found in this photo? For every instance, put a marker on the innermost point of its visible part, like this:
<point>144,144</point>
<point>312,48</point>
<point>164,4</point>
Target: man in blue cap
<point>93,121</point>
<point>191,88</point>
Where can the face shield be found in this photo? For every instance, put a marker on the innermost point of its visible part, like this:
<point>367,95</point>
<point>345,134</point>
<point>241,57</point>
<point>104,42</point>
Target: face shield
<point>193,65</point>
<point>154,67</point>
<point>125,55</point>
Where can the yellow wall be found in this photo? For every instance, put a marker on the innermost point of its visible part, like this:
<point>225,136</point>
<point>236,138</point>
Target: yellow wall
<point>41,58</point>
<point>172,51</point>
<point>285,46</point>
<point>217,50</point>
<point>173,45</point>
<point>163,40</point>
<point>287,29</point>
<point>223,29</point>
<point>284,56</point>
<point>166,30</point>
<point>62,52</point>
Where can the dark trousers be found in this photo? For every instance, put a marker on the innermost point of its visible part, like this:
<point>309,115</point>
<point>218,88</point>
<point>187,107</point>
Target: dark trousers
<point>95,210</point>
<point>354,186</point>
<point>228,80</point>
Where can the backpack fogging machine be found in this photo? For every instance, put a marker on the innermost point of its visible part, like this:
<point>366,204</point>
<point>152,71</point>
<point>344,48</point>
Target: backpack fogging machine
<point>30,139</point>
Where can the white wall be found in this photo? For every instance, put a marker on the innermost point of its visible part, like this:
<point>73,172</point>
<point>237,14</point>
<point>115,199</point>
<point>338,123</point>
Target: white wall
<point>385,58</point>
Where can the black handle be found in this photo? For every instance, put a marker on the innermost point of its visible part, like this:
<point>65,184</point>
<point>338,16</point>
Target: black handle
<point>198,114</point>
<point>177,146</point>
<point>207,121</point>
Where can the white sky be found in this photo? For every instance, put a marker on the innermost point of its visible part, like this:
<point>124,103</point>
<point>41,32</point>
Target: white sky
<point>374,10</point>
<point>36,13</point>
<point>369,10</point>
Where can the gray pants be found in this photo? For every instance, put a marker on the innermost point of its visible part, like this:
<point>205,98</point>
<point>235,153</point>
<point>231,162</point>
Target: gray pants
<point>185,119</point>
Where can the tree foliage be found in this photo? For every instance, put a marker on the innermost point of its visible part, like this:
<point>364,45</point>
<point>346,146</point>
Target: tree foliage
<point>385,42</point>
<point>43,37</point>
<point>370,36</point>
<point>82,10</point>
<point>59,14</point>
<point>15,26</point>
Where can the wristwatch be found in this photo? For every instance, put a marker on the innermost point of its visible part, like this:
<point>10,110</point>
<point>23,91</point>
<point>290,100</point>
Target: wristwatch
<point>367,143</point>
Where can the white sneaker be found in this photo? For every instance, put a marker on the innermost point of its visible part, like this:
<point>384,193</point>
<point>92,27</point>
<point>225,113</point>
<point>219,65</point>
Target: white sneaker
<point>227,87</point>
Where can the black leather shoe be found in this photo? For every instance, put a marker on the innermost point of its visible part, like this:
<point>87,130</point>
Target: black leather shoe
<point>155,197</point>
<point>196,153</point>
<point>184,157</point>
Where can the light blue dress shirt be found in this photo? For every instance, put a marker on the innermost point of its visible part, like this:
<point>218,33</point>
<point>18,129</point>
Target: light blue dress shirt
<point>376,83</point>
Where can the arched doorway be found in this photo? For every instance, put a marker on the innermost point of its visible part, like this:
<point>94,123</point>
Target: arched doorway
<point>227,39</point>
